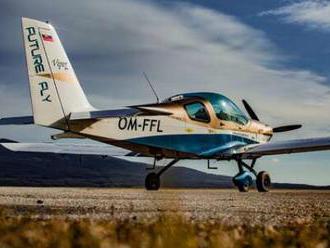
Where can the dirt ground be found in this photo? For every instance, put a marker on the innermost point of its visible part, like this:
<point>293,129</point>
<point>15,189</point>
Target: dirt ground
<point>279,207</point>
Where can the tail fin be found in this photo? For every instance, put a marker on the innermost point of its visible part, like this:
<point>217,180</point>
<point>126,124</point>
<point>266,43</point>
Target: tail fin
<point>54,87</point>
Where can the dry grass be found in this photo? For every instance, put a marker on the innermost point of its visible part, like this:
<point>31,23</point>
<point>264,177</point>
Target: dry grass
<point>163,231</point>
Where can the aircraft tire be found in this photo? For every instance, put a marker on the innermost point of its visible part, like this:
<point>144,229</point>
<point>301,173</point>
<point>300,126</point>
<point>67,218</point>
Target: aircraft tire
<point>263,181</point>
<point>243,187</point>
<point>243,181</point>
<point>152,181</point>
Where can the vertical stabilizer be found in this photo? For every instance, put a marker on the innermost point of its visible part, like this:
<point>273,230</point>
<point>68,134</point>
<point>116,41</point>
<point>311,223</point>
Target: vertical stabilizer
<point>55,89</point>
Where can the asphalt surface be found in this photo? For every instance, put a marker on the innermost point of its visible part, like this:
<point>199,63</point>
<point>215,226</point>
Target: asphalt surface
<point>279,207</point>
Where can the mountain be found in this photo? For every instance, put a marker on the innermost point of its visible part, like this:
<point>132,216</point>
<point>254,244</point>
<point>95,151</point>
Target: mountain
<point>45,169</point>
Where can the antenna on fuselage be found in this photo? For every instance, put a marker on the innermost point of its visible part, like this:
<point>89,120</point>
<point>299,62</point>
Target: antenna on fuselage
<point>152,88</point>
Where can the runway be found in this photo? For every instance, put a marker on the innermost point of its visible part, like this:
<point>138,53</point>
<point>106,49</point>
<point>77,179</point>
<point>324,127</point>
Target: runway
<point>279,207</point>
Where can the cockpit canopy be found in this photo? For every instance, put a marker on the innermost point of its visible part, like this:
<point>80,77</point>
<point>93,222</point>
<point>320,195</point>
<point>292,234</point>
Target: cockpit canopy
<point>224,108</point>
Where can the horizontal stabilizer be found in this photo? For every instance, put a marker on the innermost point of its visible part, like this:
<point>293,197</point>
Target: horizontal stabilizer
<point>67,135</point>
<point>97,114</point>
<point>154,108</point>
<point>103,114</point>
<point>20,120</point>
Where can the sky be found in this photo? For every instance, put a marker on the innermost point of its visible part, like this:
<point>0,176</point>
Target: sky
<point>275,54</point>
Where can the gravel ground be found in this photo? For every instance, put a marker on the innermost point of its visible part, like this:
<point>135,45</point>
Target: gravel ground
<point>279,207</point>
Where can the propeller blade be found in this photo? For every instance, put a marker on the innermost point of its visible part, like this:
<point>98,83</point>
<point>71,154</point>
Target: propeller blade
<point>286,128</point>
<point>250,111</point>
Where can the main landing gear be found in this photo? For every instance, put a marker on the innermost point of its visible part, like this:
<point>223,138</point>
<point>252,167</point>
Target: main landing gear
<point>243,179</point>
<point>152,181</point>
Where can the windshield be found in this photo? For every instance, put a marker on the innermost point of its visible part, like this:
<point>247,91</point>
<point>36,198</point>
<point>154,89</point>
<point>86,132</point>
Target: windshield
<point>226,110</point>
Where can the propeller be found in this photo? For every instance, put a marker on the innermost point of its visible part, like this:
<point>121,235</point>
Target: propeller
<point>286,128</point>
<point>275,129</point>
<point>250,111</point>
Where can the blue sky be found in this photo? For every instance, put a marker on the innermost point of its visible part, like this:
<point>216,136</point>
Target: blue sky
<point>275,54</point>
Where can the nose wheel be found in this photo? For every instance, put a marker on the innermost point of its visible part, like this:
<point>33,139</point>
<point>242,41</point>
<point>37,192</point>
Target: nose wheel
<point>243,187</point>
<point>243,180</point>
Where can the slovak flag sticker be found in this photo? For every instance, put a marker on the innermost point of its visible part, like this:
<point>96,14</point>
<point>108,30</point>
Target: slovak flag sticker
<point>47,37</point>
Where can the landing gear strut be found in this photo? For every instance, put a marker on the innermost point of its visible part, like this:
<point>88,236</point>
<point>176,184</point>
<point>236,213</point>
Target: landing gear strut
<point>152,181</point>
<point>243,180</point>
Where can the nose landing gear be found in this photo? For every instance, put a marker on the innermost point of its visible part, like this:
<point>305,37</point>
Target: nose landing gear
<point>243,180</point>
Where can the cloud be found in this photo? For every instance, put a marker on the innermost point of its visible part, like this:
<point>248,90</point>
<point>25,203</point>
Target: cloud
<point>182,47</point>
<point>313,14</point>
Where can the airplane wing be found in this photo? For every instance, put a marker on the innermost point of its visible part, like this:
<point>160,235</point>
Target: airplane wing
<point>232,151</point>
<point>283,147</point>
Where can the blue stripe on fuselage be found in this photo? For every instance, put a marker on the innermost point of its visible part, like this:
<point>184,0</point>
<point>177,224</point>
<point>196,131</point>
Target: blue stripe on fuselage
<point>193,143</point>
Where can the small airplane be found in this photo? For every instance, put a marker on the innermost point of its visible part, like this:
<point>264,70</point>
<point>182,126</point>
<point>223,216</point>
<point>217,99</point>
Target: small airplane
<point>192,126</point>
